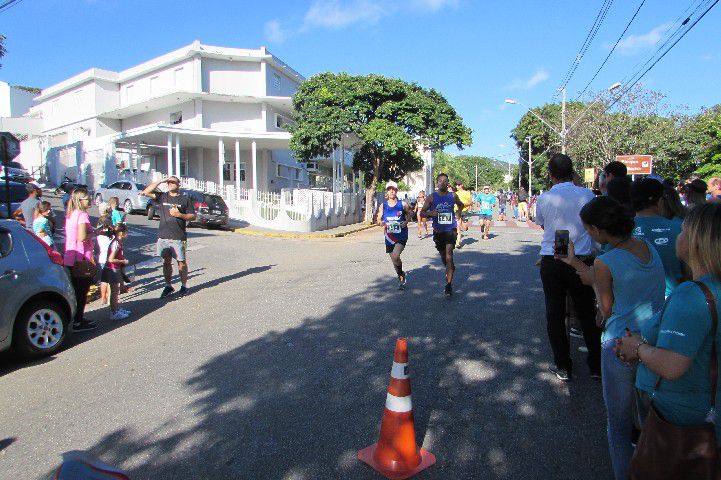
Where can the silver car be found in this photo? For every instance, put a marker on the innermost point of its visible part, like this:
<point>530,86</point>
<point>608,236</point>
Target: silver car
<point>38,300</point>
<point>128,193</point>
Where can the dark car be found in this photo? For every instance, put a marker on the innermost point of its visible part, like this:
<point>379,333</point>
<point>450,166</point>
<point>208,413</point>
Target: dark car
<point>16,172</point>
<point>210,209</point>
<point>18,193</point>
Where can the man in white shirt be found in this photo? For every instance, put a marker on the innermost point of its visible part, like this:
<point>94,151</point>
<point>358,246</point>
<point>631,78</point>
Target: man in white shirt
<point>558,209</point>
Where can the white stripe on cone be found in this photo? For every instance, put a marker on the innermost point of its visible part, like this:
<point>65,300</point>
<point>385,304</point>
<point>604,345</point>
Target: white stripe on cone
<point>399,371</point>
<point>399,404</point>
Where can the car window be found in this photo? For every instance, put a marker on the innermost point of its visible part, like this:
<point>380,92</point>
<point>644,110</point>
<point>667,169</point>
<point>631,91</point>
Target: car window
<point>116,185</point>
<point>15,165</point>
<point>6,243</point>
<point>140,187</point>
<point>17,193</point>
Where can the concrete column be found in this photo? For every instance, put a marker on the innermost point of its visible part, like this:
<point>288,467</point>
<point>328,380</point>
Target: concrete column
<point>342,168</point>
<point>237,169</point>
<point>254,157</point>
<point>354,182</point>
<point>221,162</point>
<point>170,154</point>
<point>177,156</point>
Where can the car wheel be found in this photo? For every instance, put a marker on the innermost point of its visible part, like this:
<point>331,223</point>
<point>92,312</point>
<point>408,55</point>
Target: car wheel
<point>128,207</point>
<point>151,213</point>
<point>40,329</point>
<point>98,199</point>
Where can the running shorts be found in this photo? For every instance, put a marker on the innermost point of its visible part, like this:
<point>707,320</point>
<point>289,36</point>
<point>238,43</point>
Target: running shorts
<point>442,239</point>
<point>486,216</point>
<point>172,248</point>
<point>389,248</point>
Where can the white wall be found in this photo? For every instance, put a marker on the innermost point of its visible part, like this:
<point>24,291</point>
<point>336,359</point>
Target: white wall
<point>160,116</point>
<point>14,102</point>
<point>171,78</point>
<point>107,96</point>
<point>73,105</point>
<point>288,85</point>
<point>232,77</point>
<point>233,117</point>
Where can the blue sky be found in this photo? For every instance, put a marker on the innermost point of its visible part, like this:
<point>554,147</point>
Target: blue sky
<point>476,52</point>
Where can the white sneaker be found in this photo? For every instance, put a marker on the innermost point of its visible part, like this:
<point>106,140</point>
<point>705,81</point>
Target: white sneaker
<point>119,315</point>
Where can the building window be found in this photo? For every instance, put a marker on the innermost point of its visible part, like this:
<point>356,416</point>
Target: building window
<point>276,81</point>
<point>282,122</point>
<point>229,168</point>
<point>287,172</point>
<point>176,118</point>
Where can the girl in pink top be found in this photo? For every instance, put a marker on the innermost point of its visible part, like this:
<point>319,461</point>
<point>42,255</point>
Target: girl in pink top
<point>79,244</point>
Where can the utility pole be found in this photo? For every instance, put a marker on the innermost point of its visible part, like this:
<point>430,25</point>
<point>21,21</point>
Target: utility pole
<point>476,177</point>
<point>563,125</point>
<point>530,164</point>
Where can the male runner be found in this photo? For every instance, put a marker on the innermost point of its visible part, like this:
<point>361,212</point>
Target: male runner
<point>440,207</point>
<point>176,210</point>
<point>465,197</point>
<point>487,200</point>
<point>394,215</point>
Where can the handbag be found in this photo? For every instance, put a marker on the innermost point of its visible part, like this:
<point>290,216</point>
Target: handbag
<point>668,451</point>
<point>84,269</point>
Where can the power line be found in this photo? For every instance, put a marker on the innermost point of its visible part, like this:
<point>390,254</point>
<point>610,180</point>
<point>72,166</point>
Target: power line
<point>9,4</point>
<point>612,50</point>
<point>598,21</point>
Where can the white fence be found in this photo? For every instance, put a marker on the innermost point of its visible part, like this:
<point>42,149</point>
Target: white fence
<point>297,209</point>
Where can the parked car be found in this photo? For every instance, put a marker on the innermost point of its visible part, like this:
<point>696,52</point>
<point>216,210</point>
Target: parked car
<point>18,193</point>
<point>127,192</point>
<point>37,297</point>
<point>16,172</point>
<point>210,209</point>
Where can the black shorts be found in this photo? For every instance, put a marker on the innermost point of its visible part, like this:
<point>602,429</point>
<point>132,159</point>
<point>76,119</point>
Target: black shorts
<point>389,248</point>
<point>111,276</point>
<point>442,239</point>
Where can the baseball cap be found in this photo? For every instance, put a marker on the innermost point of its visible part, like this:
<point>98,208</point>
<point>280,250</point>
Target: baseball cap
<point>392,185</point>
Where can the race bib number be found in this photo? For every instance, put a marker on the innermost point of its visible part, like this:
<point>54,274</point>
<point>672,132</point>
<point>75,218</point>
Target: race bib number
<point>485,206</point>
<point>445,218</point>
<point>394,227</point>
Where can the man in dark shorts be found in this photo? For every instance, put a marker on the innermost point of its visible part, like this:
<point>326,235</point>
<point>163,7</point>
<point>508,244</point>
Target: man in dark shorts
<point>176,210</point>
<point>440,206</point>
<point>394,215</point>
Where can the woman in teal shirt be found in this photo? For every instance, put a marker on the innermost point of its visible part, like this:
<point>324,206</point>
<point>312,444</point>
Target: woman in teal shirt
<point>677,345</point>
<point>629,283</point>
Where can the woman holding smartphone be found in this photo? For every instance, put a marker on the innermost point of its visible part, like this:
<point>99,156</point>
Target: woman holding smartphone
<point>629,283</point>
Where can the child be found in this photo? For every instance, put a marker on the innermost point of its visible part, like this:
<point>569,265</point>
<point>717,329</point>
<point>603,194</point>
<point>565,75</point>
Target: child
<point>113,271</point>
<point>116,216</point>
<point>105,233</point>
<point>41,224</point>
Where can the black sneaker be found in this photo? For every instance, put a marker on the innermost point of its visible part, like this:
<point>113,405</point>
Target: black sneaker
<point>84,326</point>
<point>167,291</point>
<point>183,290</point>
<point>575,333</point>
<point>561,373</point>
<point>449,290</point>
<point>402,283</point>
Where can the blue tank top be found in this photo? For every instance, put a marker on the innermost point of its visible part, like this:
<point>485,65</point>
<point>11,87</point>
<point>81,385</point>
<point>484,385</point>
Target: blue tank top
<point>445,221</point>
<point>392,216</point>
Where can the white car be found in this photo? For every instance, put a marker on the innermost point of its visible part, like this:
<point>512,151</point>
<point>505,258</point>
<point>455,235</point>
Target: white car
<point>128,193</point>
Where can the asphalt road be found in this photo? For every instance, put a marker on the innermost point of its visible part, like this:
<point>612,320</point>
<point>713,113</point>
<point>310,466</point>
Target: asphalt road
<point>275,366</point>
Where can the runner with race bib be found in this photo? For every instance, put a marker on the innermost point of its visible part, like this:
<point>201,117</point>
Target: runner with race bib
<point>440,207</point>
<point>487,200</point>
<point>394,214</point>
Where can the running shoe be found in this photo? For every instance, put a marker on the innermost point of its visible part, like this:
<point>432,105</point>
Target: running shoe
<point>449,290</point>
<point>167,291</point>
<point>402,283</point>
<point>119,315</point>
<point>84,326</point>
<point>183,290</point>
<point>575,333</point>
<point>128,312</point>
<point>561,373</point>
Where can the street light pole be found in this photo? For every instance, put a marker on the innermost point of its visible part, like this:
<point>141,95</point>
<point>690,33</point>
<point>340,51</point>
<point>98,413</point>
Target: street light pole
<point>563,122</point>
<point>530,163</point>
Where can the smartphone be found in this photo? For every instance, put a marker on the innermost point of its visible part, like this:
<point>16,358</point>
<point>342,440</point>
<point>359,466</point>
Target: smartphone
<point>560,246</point>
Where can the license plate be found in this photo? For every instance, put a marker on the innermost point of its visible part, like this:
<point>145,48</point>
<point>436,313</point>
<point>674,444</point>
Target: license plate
<point>217,212</point>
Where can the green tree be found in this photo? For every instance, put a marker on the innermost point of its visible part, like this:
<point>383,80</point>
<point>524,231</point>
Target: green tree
<point>708,127</point>
<point>463,168</point>
<point>387,121</point>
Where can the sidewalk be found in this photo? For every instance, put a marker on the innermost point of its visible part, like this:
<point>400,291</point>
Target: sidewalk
<point>246,229</point>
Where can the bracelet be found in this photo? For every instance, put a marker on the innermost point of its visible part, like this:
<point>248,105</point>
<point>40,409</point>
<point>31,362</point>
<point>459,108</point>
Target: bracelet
<point>638,346</point>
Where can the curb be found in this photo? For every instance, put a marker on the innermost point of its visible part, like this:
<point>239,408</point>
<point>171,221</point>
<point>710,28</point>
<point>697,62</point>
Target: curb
<point>243,231</point>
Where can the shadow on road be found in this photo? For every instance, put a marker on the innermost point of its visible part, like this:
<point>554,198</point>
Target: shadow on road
<point>299,403</point>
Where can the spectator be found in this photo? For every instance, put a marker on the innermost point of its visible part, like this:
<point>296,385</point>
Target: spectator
<point>619,188</point>
<point>25,214</point>
<point>42,226</point>
<point>714,189</point>
<point>79,248</point>
<point>671,206</point>
<point>115,214</point>
<point>676,346</point>
<point>615,169</point>
<point>514,205</point>
<point>695,193</point>
<point>422,221</point>
<point>558,209</point>
<point>629,286</point>
<point>113,271</point>
<point>502,205</point>
<point>105,233</point>
<point>647,196</point>
<point>522,204</point>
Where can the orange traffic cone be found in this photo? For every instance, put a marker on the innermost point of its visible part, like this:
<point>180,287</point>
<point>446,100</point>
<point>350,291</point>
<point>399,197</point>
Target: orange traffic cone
<point>396,455</point>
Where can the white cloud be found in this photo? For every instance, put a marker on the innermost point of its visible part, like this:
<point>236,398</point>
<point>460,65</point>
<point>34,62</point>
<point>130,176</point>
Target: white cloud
<point>540,76</point>
<point>634,44</point>
<point>433,5</point>
<point>335,14</point>
<point>273,32</point>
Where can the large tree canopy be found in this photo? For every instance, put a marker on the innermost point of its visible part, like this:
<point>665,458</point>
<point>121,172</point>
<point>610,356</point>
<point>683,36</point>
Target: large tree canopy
<point>465,167</point>
<point>387,120</point>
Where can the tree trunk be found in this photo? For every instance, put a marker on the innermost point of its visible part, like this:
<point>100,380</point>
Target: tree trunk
<point>371,191</point>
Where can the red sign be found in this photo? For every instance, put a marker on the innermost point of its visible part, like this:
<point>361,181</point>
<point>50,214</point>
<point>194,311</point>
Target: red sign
<point>637,164</point>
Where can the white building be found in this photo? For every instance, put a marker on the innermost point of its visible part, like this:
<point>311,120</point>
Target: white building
<point>214,116</point>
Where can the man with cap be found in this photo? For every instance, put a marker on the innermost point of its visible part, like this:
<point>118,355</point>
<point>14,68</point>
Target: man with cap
<point>486,200</point>
<point>394,214</point>
<point>25,214</point>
